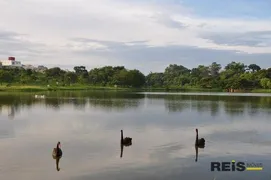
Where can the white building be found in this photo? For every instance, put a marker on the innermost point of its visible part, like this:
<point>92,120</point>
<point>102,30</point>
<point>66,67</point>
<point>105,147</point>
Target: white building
<point>11,62</point>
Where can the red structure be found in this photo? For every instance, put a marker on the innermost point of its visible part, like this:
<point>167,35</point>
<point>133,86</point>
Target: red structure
<point>11,58</point>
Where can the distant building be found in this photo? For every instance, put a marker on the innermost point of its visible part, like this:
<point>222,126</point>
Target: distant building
<point>11,62</point>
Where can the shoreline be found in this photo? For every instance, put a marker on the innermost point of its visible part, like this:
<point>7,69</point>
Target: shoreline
<point>33,88</point>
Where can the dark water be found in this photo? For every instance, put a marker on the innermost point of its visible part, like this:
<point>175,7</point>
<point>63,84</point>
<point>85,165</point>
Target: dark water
<point>162,126</point>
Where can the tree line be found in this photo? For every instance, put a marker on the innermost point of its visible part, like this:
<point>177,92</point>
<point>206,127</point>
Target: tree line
<point>234,75</point>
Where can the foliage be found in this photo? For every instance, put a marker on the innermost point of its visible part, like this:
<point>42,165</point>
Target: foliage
<point>234,75</point>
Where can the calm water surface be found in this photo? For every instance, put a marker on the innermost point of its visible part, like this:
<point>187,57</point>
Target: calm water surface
<point>88,124</point>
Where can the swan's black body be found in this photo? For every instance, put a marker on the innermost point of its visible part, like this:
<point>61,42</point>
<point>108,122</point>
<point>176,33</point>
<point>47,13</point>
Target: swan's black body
<point>125,141</point>
<point>199,142</point>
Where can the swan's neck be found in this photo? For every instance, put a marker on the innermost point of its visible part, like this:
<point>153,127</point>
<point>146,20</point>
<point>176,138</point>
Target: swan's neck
<point>121,136</point>
<point>197,137</point>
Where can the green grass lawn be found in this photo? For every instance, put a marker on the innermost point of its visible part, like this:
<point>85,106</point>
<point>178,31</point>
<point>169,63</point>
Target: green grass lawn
<point>55,88</point>
<point>261,91</point>
<point>22,88</point>
<point>33,88</point>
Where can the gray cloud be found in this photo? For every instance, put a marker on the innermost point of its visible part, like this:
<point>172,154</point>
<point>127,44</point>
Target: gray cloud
<point>117,23</point>
<point>253,38</point>
<point>15,44</point>
<point>7,35</point>
<point>132,54</point>
<point>113,45</point>
<point>146,57</point>
<point>166,20</point>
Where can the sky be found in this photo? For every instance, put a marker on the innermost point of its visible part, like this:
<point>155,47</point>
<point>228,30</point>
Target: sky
<point>139,34</point>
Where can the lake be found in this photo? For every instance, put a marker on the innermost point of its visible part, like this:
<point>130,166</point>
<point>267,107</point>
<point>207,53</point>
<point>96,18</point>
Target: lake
<point>162,125</point>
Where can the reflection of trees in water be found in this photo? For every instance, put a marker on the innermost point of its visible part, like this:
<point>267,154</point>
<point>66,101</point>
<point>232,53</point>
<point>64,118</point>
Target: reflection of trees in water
<point>14,102</point>
<point>54,103</point>
<point>102,99</point>
<point>11,110</point>
<point>233,105</point>
<point>117,100</point>
<point>181,103</point>
<point>264,105</point>
<point>214,107</point>
<point>114,104</point>
<point>234,108</point>
<point>174,104</point>
<point>99,94</point>
<point>79,103</point>
<point>201,106</point>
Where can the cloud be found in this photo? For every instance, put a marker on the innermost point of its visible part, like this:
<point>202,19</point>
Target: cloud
<point>106,32</point>
<point>6,35</point>
<point>15,44</point>
<point>160,56</point>
<point>252,39</point>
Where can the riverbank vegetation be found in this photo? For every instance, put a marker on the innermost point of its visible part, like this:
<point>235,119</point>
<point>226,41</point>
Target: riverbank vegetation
<point>233,77</point>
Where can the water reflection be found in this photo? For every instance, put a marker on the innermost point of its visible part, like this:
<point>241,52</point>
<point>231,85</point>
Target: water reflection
<point>111,101</point>
<point>122,147</point>
<point>13,102</point>
<point>164,136</point>
<point>12,110</point>
<point>57,163</point>
<point>232,105</point>
<point>197,151</point>
<point>114,104</point>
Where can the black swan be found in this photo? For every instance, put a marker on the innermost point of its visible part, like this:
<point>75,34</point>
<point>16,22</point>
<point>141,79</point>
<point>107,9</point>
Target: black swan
<point>199,142</point>
<point>127,141</point>
<point>57,152</point>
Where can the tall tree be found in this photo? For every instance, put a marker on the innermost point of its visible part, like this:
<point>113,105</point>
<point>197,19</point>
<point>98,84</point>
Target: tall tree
<point>155,79</point>
<point>80,69</point>
<point>172,72</point>
<point>5,77</point>
<point>254,67</point>
<point>236,67</point>
<point>214,69</point>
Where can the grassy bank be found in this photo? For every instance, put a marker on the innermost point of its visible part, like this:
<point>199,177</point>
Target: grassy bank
<point>261,91</point>
<point>184,89</point>
<point>36,88</point>
<point>23,88</point>
<point>33,88</point>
